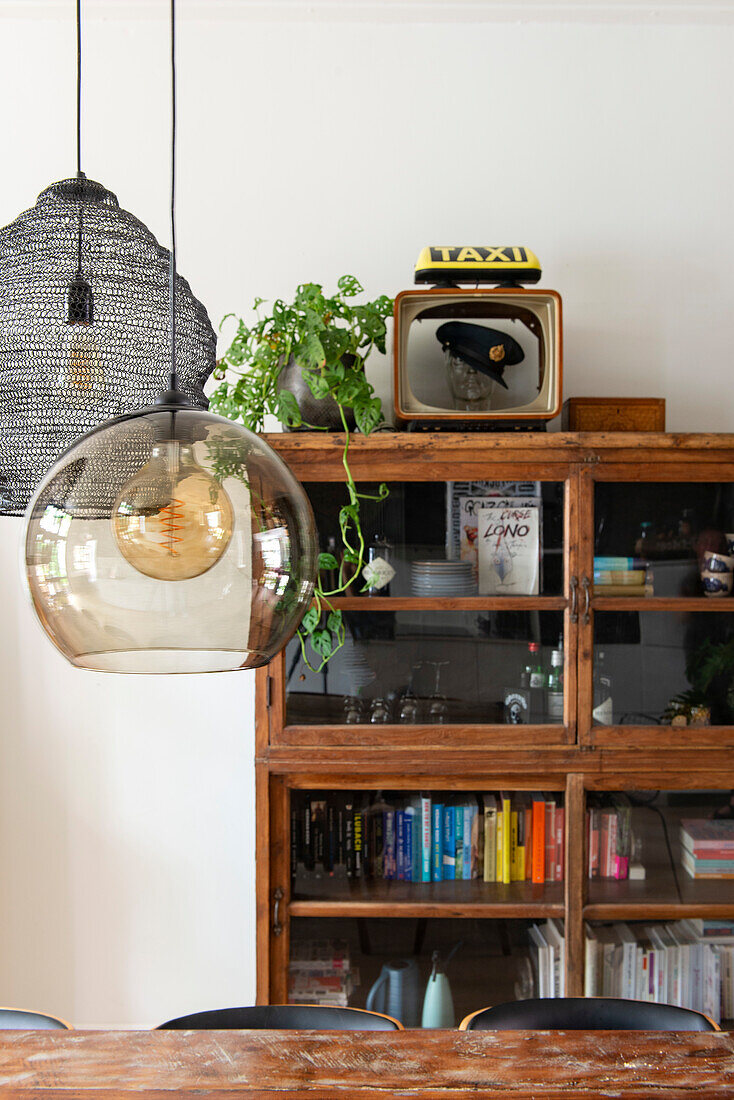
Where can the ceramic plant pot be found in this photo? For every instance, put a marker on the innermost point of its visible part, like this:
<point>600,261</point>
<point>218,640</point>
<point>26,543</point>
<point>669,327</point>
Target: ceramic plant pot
<point>321,412</point>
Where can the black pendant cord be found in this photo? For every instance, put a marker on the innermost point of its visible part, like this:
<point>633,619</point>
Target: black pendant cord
<point>79,89</point>
<point>173,380</point>
<point>79,173</point>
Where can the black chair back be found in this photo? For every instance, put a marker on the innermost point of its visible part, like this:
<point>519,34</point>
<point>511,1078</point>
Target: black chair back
<point>586,1014</point>
<point>285,1017</point>
<point>18,1019</point>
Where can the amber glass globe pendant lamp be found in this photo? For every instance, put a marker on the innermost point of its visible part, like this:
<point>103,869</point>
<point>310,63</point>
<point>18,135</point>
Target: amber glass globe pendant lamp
<point>169,539</point>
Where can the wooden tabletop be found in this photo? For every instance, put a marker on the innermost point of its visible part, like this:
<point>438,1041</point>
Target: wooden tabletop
<point>208,1065</point>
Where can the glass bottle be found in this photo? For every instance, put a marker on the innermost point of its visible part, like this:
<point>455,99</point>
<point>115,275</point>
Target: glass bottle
<point>554,687</point>
<point>602,704</point>
<point>379,570</point>
<point>534,667</point>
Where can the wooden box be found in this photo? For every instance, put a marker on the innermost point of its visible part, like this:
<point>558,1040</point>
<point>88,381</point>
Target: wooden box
<point>614,414</point>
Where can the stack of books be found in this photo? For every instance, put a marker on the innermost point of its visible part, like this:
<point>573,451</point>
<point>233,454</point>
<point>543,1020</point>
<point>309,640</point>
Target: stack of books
<point>622,577</point>
<point>320,972</point>
<point>548,958</point>
<point>671,963</point>
<point>707,847</point>
<point>499,837</point>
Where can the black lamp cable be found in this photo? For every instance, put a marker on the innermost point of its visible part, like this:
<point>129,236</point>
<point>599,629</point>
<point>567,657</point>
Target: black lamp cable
<point>79,297</point>
<point>79,172</point>
<point>173,380</point>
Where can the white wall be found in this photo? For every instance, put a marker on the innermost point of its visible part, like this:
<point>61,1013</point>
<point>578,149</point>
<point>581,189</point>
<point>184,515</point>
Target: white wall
<point>317,139</point>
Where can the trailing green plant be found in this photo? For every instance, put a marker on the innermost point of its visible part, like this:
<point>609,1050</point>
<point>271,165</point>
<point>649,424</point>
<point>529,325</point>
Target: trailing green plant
<point>329,338</point>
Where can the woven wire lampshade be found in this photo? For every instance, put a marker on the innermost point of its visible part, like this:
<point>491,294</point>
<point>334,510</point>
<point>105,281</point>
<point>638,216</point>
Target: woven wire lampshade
<point>121,584</point>
<point>75,352</point>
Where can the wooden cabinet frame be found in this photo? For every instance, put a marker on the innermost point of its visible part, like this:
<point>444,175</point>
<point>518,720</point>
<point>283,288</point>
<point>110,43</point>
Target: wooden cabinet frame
<point>575,758</point>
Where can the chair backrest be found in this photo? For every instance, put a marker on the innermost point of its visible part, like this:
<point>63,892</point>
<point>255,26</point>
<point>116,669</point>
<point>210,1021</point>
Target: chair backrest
<point>586,1014</point>
<point>285,1017</point>
<point>19,1019</point>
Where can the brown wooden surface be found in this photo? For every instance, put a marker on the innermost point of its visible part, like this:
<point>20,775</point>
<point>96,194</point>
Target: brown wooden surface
<point>619,414</point>
<point>214,1065</point>
<point>577,757</point>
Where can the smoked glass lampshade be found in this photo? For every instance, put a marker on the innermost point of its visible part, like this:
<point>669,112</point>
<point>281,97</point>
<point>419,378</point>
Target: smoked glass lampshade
<point>170,540</point>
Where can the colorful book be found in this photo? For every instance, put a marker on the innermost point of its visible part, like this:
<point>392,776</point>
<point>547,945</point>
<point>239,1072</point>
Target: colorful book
<point>449,843</point>
<point>437,842</point>
<point>491,815</point>
<point>538,839</point>
<point>470,813</point>
<point>426,838</point>
<point>550,839</point>
<point>459,840</point>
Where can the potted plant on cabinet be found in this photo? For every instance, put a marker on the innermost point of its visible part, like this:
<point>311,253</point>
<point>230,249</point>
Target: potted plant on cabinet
<point>303,362</point>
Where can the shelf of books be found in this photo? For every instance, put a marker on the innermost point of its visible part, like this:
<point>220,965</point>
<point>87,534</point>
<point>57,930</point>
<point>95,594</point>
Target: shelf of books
<point>648,851</point>
<point>385,849</point>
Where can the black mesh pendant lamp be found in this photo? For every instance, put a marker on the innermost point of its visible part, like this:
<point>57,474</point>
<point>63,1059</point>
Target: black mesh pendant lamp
<point>84,329</point>
<point>170,539</point>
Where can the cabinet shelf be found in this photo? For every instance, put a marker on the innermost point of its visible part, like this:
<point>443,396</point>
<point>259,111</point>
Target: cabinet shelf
<point>334,898</point>
<point>450,603</point>
<point>660,603</point>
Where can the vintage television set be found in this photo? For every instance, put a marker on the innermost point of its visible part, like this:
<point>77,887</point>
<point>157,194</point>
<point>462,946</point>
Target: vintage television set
<point>485,357</point>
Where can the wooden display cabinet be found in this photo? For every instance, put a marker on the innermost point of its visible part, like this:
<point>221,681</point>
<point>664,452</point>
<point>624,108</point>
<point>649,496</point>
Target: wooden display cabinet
<point>662,497</point>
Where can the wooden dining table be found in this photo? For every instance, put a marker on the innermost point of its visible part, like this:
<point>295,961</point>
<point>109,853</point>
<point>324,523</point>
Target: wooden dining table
<point>435,1065</point>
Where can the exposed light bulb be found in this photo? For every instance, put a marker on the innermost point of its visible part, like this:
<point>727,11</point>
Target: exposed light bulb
<point>172,520</point>
<point>81,377</point>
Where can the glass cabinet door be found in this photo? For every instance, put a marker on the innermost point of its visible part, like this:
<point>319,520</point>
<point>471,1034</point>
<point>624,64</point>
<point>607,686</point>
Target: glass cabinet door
<point>660,626</point>
<point>459,633</point>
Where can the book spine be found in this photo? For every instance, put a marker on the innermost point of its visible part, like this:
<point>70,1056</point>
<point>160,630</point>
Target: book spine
<point>437,843</point>
<point>307,849</point>
<point>425,838</point>
<point>520,858</point>
<point>400,846</point>
<point>449,843</point>
<point>459,842</point>
<point>341,833</point>
<point>295,828</point>
<point>469,814</point>
<point>550,841</point>
<point>594,842</point>
<point>514,874</point>
<point>528,843</point>
<point>331,839</point>
<point>490,845</point>
<point>506,838</point>
<point>560,847</point>
<point>477,844</point>
<point>356,838</point>
<point>409,835</point>
<point>388,832</point>
<point>619,564</point>
<point>538,841</point>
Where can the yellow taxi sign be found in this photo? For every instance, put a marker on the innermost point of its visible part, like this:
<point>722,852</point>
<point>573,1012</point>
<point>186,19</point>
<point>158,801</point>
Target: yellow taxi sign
<point>477,264</point>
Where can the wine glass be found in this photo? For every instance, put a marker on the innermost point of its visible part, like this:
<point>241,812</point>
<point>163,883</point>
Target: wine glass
<point>380,713</point>
<point>352,710</point>
<point>438,708</point>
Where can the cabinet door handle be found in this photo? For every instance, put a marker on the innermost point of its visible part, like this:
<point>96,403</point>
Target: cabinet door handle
<point>574,582</point>
<point>278,896</point>
<point>586,585</point>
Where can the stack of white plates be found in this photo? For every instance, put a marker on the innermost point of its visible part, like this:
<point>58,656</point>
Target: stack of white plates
<point>442,578</point>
